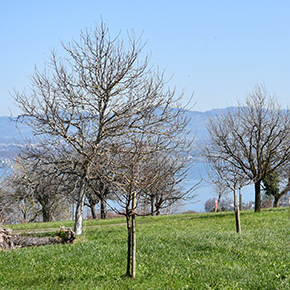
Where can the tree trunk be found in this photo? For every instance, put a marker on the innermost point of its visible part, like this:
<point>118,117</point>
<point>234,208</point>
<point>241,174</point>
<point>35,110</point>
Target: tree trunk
<point>157,207</point>
<point>240,199</point>
<point>92,202</point>
<point>103,208</point>
<point>237,212</point>
<point>219,202</point>
<point>80,206</point>
<point>258,196</point>
<point>129,239</point>
<point>94,212</point>
<point>276,201</point>
<point>152,204</point>
<point>25,212</point>
<point>134,235</point>
<point>282,193</point>
<point>131,228</point>
<point>72,209</point>
<point>46,214</point>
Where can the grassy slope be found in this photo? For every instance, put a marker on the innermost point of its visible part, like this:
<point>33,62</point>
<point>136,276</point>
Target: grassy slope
<point>173,252</point>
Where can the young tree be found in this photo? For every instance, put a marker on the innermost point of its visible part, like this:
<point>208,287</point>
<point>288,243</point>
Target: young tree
<point>137,165</point>
<point>229,176</point>
<point>253,138</point>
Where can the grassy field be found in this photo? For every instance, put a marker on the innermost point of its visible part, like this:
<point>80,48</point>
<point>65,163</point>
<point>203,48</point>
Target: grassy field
<point>200,251</point>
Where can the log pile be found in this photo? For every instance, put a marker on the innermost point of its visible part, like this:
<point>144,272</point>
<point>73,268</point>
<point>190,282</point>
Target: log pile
<point>9,241</point>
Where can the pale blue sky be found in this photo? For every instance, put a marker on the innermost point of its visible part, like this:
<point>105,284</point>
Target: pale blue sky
<point>217,49</point>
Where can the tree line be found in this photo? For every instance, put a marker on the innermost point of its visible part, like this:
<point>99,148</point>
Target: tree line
<point>250,144</point>
<point>107,128</point>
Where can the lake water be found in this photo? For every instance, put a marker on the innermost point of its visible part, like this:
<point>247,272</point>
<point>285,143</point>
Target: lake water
<point>205,191</point>
<point>202,193</point>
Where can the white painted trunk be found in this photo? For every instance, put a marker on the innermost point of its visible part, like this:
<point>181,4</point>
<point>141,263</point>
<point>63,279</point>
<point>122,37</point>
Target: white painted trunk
<point>134,235</point>
<point>78,227</point>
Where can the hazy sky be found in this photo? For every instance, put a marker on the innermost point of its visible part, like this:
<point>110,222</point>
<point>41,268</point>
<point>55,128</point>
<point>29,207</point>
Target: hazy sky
<point>217,50</point>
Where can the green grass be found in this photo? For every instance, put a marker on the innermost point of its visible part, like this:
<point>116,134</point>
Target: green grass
<point>200,251</point>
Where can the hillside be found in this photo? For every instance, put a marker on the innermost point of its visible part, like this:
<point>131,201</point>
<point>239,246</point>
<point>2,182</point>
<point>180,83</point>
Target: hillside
<point>200,251</point>
<point>11,134</point>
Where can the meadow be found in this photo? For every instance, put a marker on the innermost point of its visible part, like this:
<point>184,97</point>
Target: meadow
<point>197,251</point>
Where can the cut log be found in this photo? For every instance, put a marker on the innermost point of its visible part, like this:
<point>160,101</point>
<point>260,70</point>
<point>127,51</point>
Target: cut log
<point>9,241</point>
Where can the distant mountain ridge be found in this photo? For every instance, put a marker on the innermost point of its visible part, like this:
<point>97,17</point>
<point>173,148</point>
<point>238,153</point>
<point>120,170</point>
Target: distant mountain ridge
<point>10,133</point>
<point>199,120</point>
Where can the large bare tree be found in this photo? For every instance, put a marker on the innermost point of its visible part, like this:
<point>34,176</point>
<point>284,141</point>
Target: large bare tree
<point>101,91</point>
<point>253,137</point>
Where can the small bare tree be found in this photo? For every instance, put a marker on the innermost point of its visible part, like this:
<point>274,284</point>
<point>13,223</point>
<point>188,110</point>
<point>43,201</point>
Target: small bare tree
<point>215,179</point>
<point>221,189</point>
<point>140,165</point>
<point>226,176</point>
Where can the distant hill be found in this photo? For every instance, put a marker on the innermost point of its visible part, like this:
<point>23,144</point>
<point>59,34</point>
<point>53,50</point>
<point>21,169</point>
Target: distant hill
<point>10,133</point>
<point>198,122</point>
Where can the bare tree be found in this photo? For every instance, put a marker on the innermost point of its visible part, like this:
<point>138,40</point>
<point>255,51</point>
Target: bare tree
<point>215,179</point>
<point>137,165</point>
<point>253,138</point>
<point>99,92</point>
<point>167,171</point>
<point>222,190</point>
<point>112,112</point>
<point>282,192</point>
<point>229,176</point>
<point>93,200</point>
<point>17,204</point>
<point>99,187</point>
<point>38,187</point>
